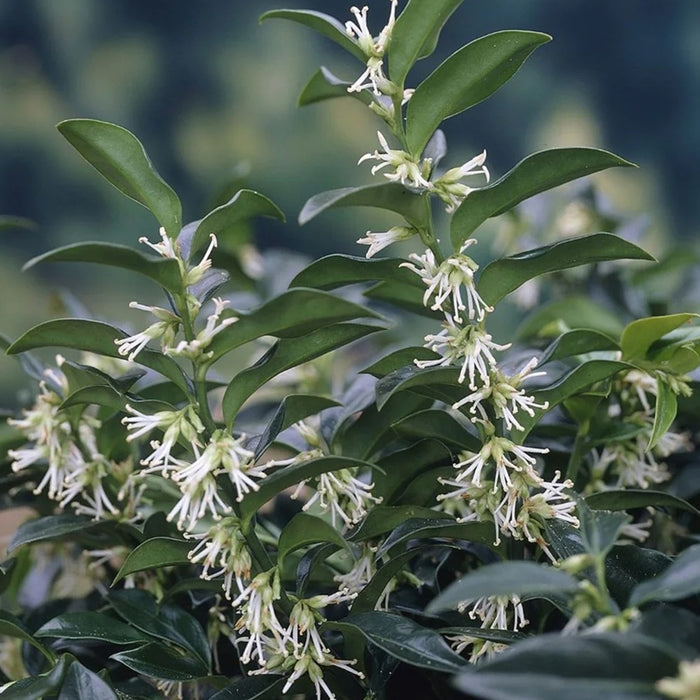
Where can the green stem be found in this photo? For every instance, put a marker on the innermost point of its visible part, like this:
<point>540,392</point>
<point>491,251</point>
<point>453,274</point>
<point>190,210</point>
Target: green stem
<point>578,451</point>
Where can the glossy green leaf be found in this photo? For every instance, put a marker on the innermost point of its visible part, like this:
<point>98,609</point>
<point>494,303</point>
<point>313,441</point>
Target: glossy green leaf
<point>664,413</point>
<point>405,295</point>
<point>80,682</point>
<point>165,271</point>
<point>508,578</point>
<point>10,626</point>
<point>466,78</point>
<point>156,660</point>
<point>11,222</point>
<point>153,554</point>
<point>291,476</point>
<point>225,220</point>
<point>294,313</point>
<point>322,23</point>
<point>49,527</point>
<point>639,335</point>
<point>382,519</point>
<point>119,157</point>
<point>98,395</point>
<point>389,195</point>
<point>140,609</point>
<point>304,530</point>
<point>625,499</point>
<point>503,276</point>
<point>627,566</point>
<point>599,529</point>
<point>285,354</point>
<point>267,687</point>
<point>39,687</point>
<point>411,377</point>
<point>93,336</point>
<point>90,625</point>
<point>578,380</point>
<point>324,85</point>
<point>537,173</point>
<point>406,640</point>
<point>450,428</point>
<point>416,33</point>
<point>398,359</point>
<point>656,621</point>
<point>577,342</point>
<point>335,271</point>
<point>680,580</point>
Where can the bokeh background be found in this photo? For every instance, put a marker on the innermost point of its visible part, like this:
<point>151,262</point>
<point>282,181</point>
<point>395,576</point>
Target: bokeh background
<point>212,95</point>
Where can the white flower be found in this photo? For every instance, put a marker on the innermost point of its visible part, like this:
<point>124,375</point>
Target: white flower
<point>167,248</point>
<point>199,497</point>
<point>446,280</point>
<point>632,463</point>
<point>449,188</point>
<point>196,273</point>
<point>362,571</point>
<point>471,345</point>
<point>405,169</point>
<point>373,49</point>
<point>164,329</point>
<point>379,241</point>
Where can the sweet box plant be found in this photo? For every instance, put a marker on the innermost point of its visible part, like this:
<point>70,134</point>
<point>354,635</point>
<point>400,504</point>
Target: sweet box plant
<point>268,494</point>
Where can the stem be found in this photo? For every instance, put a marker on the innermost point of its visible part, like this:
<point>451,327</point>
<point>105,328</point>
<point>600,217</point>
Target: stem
<point>578,451</point>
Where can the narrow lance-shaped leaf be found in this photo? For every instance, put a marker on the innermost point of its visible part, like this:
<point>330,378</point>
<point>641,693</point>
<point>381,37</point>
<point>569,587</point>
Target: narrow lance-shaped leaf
<point>119,157</point>
<point>165,271</point>
<point>324,85</point>
<point>503,276</point>
<point>49,527</point>
<point>577,342</point>
<point>664,413</point>
<point>162,662</point>
<point>639,336</point>
<point>416,33</point>
<point>153,554</point>
<point>10,222</point>
<point>624,499</point>
<point>390,195</point>
<point>10,626</point>
<point>537,173</point>
<point>466,78</point>
<point>322,23</point>
<point>81,682</point>
<point>90,625</point>
<point>303,530</point>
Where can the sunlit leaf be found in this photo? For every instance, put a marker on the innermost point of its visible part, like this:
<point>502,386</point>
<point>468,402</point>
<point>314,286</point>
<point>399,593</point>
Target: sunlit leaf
<point>639,335</point>
<point>119,156</point>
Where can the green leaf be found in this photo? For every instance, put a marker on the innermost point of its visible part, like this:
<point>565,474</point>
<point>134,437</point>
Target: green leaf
<point>252,688</point>
<point>577,342</point>
<point>442,379</point>
<point>303,530</point>
<point>416,33</point>
<point>389,195</point>
<point>680,580</point>
<point>90,625</point>
<point>404,295</point>
<point>600,529</point>
<point>10,626</point>
<point>335,271</point>
<point>466,78</point>
<point>284,355</point>
<point>627,566</point>
<point>664,413</point>
<point>503,276</point>
<point>139,608</point>
<point>322,23</point>
<point>323,85</point>
<point>156,660</point>
<point>406,640</point>
<point>10,222</point>
<point>225,220</point>
<point>49,527</point>
<point>291,476</point>
<point>165,271</point>
<point>39,687</point>
<point>399,359</point>
<point>99,395</point>
<point>639,335</point>
<point>120,158</point>
<point>625,499</point>
<point>382,519</point>
<point>80,682</point>
<point>578,380</point>
<point>448,427</point>
<point>153,554</point>
<point>522,578</point>
<point>537,173</point>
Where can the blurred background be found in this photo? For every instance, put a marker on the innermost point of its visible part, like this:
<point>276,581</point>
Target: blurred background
<point>212,96</point>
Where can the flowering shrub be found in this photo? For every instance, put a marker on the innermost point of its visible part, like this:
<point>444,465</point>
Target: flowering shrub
<point>458,518</point>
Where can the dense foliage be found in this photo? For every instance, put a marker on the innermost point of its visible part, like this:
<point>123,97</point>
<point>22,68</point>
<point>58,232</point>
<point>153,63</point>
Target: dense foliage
<point>280,490</point>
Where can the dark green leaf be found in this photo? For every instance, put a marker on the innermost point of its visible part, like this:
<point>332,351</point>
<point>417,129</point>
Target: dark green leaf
<point>639,335</point>
<point>406,296</point>
<point>10,626</point>
<point>503,276</point>
<point>416,33</point>
<point>81,683</point>
<point>398,359</point>
<point>226,219</point>
<point>466,78</point>
<point>537,173</point>
<point>680,580</point>
<point>165,271</point>
<point>119,157</point>
<point>162,662</point>
<point>448,427</point>
<point>267,687</point>
<point>382,519</point>
<point>323,85</point>
<point>48,528</point>
<point>411,377</point>
<point>322,23</point>
<point>508,578</point>
<point>626,566</point>
<point>285,354</point>
<point>577,342</point>
<point>90,625</point>
<point>388,195</point>
<point>153,554</point>
<point>39,687</point>
<point>303,530</point>
<point>406,640</point>
<point>656,622</point>
<point>600,529</point>
<point>625,499</point>
<point>99,395</point>
<point>10,222</point>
